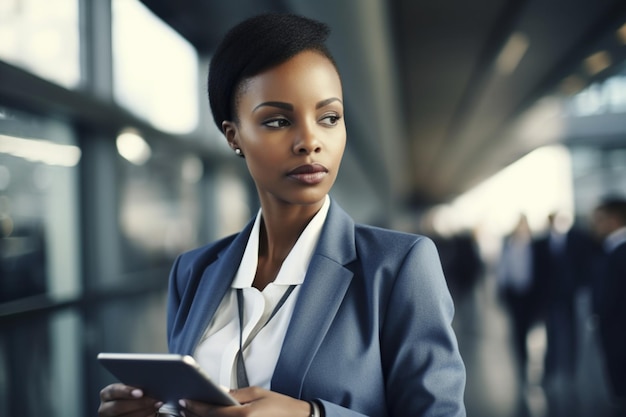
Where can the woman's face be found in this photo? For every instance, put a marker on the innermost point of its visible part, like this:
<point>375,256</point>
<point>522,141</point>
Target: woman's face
<point>291,130</point>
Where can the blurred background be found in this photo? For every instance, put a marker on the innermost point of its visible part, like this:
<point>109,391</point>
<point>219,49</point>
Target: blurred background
<point>462,117</point>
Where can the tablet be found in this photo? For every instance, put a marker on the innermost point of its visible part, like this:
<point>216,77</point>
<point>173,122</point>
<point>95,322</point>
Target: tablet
<point>166,377</point>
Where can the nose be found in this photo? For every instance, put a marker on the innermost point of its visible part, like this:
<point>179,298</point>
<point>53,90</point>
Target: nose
<point>306,141</point>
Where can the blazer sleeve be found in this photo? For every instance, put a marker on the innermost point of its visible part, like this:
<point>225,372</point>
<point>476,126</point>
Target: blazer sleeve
<point>173,299</point>
<point>425,375</point>
<point>423,371</point>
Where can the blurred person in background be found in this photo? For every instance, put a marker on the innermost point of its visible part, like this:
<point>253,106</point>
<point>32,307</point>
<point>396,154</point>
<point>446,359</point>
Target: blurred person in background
<point>517,289</point>
<point>365,326</point>
<point>462,265</point>
<point>563,263</point>
<point>609,294</point>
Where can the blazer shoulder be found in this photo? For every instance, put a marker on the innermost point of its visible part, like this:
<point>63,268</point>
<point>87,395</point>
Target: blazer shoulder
<point>204,255</point>
<point>386,240</point>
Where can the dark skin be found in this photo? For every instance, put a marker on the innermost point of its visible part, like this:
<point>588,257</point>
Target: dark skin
<point>290,130</point>
<point>123,400</point>
<point>283,237</point>
<point>268,263</point>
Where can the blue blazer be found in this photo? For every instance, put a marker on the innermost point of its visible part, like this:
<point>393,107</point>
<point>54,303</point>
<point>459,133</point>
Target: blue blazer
<point>371,329</point>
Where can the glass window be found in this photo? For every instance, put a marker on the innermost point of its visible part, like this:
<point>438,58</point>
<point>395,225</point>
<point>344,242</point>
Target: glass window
<point>160,201</point>
<point>38,208</point>
<point>616,171</point>
<point>128,324</point>
<point>604,97</point>
<point>232,203</point>
<point>597,172</point>
<point>40,366</point>
<point>155,70</point>
<point>42,36</point>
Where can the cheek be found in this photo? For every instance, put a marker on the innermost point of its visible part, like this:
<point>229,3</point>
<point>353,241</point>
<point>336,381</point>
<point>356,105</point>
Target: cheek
<point>339,144</point>
<point>262,158</point>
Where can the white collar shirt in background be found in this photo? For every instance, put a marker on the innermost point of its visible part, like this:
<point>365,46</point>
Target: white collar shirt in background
<point>557,242</point>
<point>217,350</point>
<point>615,239</point>
<point>515,266</point>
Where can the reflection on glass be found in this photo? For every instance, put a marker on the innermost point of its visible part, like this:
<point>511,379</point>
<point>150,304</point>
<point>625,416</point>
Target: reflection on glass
<point>35,150</point>
<point>192,169</point>
<point>38,208</point>
<point>159,207</point>
<point>25,368</point>
<point>155,69</point>
<point>40,367</point>
<point>233,208</point>
<point>67,342</point>
<point>41,36</point>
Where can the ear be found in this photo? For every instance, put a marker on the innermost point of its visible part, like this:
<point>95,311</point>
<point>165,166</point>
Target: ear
<point>231,133</point>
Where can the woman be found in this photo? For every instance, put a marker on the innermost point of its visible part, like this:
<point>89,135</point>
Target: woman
<point>319,315</point>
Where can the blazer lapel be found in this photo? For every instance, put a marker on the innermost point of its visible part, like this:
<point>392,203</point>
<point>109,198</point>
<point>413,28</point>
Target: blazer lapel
<point>322,292</point>
<point>216,280</point>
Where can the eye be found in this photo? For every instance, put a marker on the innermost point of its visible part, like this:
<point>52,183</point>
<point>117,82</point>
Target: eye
<point>276,123</point>
<point>330,119</point>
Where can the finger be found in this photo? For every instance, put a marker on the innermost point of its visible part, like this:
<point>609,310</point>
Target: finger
<point>123,400</point>
<point>119,391</point>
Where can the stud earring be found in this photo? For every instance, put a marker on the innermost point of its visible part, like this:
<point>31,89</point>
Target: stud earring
<point>238,152</point>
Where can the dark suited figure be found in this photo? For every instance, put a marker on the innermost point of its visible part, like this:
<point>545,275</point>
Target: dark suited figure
<point>609,290</point>
<point>563,260</point>
<point>517,290</point>
<point>464,267</point>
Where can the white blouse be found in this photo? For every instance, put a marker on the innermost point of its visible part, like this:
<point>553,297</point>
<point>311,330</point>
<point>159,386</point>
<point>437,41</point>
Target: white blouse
<point>262,342</point>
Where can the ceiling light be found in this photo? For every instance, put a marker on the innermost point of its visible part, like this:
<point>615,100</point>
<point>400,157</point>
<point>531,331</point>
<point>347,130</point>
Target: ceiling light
<point>512,53</point>
<point>597,62</point>
<point>132,147</point>
<point>621,34</point>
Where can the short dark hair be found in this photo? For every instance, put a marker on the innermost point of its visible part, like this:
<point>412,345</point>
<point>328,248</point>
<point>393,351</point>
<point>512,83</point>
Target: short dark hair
<point>614,205</point>
<point>255,45</point>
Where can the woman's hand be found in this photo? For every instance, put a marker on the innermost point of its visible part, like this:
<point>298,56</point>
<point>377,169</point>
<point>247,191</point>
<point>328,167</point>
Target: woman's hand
<point>254,401</point>
<point>119,399</point>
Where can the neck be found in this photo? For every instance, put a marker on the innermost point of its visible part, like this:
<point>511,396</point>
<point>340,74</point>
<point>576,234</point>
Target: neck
<point>281,227</point>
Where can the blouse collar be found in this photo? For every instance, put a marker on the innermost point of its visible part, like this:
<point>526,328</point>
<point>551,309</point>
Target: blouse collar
<point>294,267</point>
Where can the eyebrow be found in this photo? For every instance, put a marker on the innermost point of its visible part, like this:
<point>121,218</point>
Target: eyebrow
<point>289,107</point>
<point>327,102</point>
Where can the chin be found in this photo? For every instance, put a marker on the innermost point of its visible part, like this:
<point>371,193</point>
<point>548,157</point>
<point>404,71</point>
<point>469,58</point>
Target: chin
<point>307,198</point>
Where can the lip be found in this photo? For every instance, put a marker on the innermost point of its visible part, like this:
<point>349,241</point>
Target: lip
<point>309,174</point>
